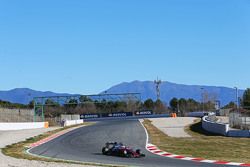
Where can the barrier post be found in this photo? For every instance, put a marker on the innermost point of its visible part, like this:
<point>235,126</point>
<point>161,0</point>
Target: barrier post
<point>46,124</point>
<point>42,114</point>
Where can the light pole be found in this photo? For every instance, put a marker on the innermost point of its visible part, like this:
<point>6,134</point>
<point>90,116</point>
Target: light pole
<point>236,96</point>
<point>202,98</point>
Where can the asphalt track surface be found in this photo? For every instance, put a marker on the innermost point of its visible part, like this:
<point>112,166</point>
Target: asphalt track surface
<point>85,144</point>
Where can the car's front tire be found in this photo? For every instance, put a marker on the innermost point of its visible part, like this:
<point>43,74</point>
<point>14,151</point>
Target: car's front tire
<point>142,155</point>
<point>129,156</point>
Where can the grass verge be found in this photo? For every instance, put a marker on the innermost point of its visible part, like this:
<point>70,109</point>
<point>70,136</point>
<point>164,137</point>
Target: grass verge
<point>18,150</point>
<point>202,144</point>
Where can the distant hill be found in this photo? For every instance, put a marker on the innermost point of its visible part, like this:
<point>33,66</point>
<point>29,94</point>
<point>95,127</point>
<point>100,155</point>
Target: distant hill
<point>146,88</point>
<point>25,95</point>
<point>170,90</point>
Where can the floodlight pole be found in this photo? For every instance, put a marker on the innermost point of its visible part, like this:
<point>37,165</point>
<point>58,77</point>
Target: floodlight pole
<point>43,113</point>
<point>237,98</point>
<point>157,83</point>
<point>34,111</point>
<point>202,99</point>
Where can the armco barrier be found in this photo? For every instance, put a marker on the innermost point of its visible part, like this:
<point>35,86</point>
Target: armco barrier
<point>223,129</point>
<point>214,127</point>
<point>73,122</point>
<point>24,125</point>
<point>238,133</point>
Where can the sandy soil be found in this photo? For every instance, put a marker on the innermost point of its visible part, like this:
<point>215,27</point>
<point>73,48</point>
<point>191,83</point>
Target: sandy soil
<point>173,127</point>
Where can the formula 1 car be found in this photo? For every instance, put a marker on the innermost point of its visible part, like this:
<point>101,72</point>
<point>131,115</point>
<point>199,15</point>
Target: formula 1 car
<point>118,149</point>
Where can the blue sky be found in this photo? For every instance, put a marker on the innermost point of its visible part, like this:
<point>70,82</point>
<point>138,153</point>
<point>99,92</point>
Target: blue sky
<point>87,46</point>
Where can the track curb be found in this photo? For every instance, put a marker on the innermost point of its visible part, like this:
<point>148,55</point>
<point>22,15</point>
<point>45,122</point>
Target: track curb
<point>155,150</point>
<point>52,137</point>
<point>56,135</point>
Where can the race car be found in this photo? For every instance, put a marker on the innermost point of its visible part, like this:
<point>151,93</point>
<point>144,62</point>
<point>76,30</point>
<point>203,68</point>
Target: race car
<point>118,149</point>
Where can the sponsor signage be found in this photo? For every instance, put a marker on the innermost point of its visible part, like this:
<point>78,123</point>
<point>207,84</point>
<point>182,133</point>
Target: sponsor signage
<point>147,112</point>
<point>118,114</point>
<point>89,116</point>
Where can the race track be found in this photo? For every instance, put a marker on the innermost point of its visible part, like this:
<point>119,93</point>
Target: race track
<point>85,144</point>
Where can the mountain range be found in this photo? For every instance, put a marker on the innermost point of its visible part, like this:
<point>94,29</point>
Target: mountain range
<point>169,90</point>
<point>25,95</point>
<point>147,89</point>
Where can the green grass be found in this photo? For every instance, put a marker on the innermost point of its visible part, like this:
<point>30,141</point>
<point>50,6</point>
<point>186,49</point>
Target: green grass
<point>202,144</point>
<point>18,150</point>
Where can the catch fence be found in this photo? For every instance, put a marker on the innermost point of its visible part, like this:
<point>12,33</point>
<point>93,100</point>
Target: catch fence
<point>239,120</point>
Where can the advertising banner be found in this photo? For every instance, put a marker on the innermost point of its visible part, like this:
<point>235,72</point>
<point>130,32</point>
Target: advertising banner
<point>146,112</point>
<point>118,114</point>
<point>89,116</point>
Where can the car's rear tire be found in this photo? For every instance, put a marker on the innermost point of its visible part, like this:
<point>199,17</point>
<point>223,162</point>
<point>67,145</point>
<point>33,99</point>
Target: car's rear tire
<point>138,151</point>
<point>125,153</point>
<point>104,150</point>
<point>129,156</point>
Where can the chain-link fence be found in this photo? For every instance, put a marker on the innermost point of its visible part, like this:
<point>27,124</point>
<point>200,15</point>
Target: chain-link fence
<point>17,115</point>
<point>239,120</point>
<point>223,112</point>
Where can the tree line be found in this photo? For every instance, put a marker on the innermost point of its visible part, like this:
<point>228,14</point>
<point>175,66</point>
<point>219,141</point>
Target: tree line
<point>244,102</point>
<point>85,105</point>
<point>182,105</point>
<point>7,104</point>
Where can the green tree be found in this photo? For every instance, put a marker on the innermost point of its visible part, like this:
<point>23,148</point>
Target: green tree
<point>110,105</point>
<point>174,104</point>
<point>101,106</point>
<point>246,99</point>
<point>72,103</point>
<point>120,106</point>
<point>192,105</point>
<point>149,104</point>
<point>31,104</point>
<point>50,102</point>
<point>7,104</point>
<point>182,106</point>
<point>83,99</point>
<point>230,105</point>
<point>159,107</point>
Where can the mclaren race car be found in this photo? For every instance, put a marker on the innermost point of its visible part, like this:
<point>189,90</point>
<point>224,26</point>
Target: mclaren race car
<point>118,149</point>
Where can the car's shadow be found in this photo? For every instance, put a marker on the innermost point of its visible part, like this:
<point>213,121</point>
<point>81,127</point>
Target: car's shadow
<point>97,153</point>
<point>109,155</point>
